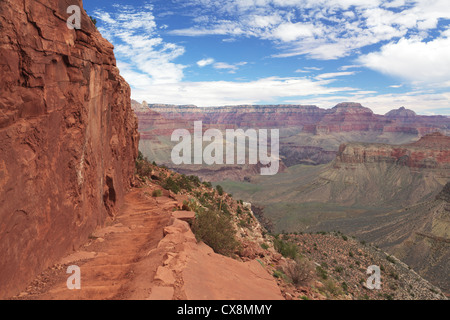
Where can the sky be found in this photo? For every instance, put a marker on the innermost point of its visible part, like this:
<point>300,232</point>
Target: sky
<point>384,54</point>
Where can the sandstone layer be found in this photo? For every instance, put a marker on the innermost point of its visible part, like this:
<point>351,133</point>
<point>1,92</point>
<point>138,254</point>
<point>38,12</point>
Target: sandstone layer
<point>431,151</point>
<point>308,134</point>
<point>68,136</point>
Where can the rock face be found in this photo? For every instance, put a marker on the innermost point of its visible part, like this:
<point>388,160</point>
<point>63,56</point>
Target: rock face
<point>344,117</point>
<point>207,275</point>
<point>431,151</point>
<point>308,134</point>
<point>68,136</point>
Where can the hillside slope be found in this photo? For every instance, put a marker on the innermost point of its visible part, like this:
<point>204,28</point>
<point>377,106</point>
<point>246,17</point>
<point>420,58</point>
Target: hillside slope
<point>418,235</point>
<point>364,179</point>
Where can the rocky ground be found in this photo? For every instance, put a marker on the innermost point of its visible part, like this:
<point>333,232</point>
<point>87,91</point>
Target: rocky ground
<point>345,260</point>
<point>151,250</point>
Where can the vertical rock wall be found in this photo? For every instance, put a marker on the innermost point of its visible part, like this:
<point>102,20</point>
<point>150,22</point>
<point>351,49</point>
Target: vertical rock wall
<point>68,136</point>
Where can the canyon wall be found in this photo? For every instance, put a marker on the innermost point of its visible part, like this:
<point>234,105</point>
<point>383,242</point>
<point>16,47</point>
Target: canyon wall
<point>431,151</point>
<point>344,117</point>
<point>68,136</point>
<point>308,134</point>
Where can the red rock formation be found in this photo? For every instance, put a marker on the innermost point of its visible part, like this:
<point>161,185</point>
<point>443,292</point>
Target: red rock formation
<point>308,134</point>
<point>344,117</point>
<point>68,136</point>
<point>431,151</point>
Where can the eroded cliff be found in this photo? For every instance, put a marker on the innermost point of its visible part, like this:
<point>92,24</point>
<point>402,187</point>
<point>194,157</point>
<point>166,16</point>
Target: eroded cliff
<point>68,136</point>
<point>431,151</point>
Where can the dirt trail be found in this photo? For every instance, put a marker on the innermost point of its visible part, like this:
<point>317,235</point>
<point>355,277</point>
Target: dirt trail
<point>150,253</point>
<point>115,256</point>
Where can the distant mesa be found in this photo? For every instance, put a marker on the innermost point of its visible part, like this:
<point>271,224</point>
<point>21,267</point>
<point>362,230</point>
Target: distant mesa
<point>350,107</point>
<point>401,113</point>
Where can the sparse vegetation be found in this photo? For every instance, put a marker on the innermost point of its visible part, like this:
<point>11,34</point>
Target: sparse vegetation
<point>339,269</point>
<point>157,193</point>
<point>331,289</point>
<point>217,231</point>
<point>279,274</point>
<point>390,259</point>
<point>300,271</point>
<point>94,21</point>
<point>219,190</point>
<point>322,273</point>
<point>143,167</point>
<point>287,249</point>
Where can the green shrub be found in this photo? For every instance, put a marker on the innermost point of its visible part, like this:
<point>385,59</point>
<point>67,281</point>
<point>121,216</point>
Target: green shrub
<point>394,275</point>
<point>339,269</point>
<point>331,288</point>
<point>287,249</point>
<point>207,184</point>
<point>217,231</point>
<point>345,286</point>
<point>279,274</point>
<point>322,273</point>
<point>219,190</point>
<point>265,246</point>
<point>143,167</point>
<point>171,185</point>
<point>390,259</point>
<point>157,193</point>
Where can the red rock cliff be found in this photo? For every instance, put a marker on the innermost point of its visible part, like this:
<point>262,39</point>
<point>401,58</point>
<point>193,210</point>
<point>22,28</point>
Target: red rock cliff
<point>431,151</point>
<point>68,136</point>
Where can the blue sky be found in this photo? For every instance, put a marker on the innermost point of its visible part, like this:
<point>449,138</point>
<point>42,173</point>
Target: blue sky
<point>382,53</point>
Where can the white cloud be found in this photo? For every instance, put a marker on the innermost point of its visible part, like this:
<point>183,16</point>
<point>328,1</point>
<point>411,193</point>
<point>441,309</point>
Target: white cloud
<point>302,71</point>
<point>293,31</point>
<point>421,103</point>
<point>413,60</point>
<point>320,29</point>
<point>205,62</point>
<point>326,30</point>
<point>231,67</point>
<point>218,93</point>
<point>313,68</point>
<point>335,74</point>
<point>345,68</point>
<point>138,47</point>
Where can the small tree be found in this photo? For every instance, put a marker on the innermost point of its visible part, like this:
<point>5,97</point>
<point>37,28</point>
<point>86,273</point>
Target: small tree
<point>219,190</point>
<point>94,21</point>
